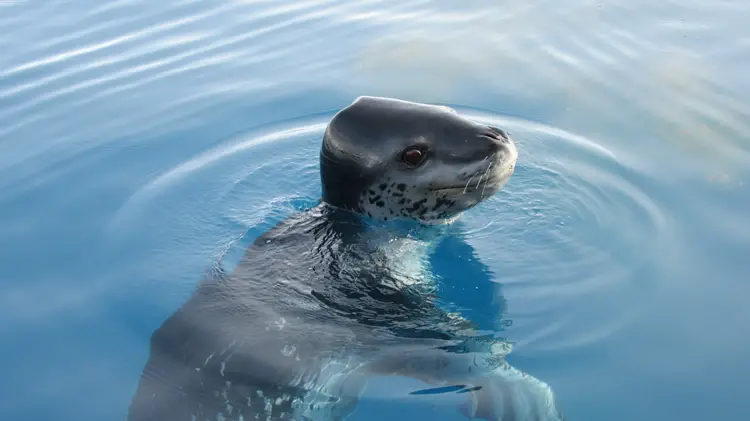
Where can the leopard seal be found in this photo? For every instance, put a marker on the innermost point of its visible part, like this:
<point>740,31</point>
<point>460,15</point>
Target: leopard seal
<point>341,292</point>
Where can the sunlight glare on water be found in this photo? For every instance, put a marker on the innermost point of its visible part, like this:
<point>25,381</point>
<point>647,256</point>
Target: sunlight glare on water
<point>141,142</point>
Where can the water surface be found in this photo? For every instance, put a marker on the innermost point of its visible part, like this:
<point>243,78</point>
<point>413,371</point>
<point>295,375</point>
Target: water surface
<point>140,141</point>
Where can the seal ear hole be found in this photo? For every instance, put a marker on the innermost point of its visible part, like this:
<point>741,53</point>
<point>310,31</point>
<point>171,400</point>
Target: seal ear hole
<point>414,156</point>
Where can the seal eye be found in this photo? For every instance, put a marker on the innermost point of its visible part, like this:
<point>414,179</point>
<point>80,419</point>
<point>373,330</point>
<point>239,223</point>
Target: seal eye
<point>414,156</point>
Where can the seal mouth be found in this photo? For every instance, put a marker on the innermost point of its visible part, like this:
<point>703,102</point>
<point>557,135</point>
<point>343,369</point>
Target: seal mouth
<point>499,177</point>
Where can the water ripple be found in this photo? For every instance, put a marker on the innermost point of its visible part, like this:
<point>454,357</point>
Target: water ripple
<point>565,212</point>
<point>572,211</point>
<point>623,226</point>
<point>299,130</point>
<point>92,48</point>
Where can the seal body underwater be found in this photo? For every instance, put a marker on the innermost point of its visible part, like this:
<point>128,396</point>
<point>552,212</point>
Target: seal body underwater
<point>340,292</point>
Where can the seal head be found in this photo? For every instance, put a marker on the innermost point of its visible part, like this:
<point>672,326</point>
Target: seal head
<point>393,159</point>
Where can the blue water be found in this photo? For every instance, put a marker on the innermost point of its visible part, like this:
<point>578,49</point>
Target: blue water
<point>141,140</point>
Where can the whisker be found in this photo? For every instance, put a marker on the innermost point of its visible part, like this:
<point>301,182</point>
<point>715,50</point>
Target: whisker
<point>467,184</point>
<point>486,181</point>
<point>485,173</point>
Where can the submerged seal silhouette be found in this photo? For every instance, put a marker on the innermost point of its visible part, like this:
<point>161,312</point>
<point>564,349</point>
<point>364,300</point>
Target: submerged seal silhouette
<point>339,293</point>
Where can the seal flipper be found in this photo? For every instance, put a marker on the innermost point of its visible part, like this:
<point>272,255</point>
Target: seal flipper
<point>468,409</point>
<point>445,368</point>
<point>495,390</point>
<point>508,394</point>
<point>481,405</point>
<point>335,394</point>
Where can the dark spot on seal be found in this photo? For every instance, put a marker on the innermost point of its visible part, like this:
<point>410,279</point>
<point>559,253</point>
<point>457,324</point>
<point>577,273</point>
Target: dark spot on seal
<point>401,187</point>
<point>402,201</point>
<point>374,199</point>
<point>383,186</point>
<point>417,205</point>
<point>396,194</point>
<point>380,204</point>
<point>442,201</point>
<point>372,192</point>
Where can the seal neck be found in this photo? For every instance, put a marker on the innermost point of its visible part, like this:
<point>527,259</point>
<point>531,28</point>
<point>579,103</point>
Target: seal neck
<point>403,229</point>
<point>391,230</point>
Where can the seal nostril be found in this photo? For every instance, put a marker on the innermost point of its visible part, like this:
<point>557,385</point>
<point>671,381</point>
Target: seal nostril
<point>498,132</point>
<point>498,137</point>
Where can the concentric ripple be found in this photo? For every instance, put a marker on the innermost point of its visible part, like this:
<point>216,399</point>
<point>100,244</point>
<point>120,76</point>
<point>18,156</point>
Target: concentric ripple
<point>634,254</point>
<point>566,238</point>
<point>234,190</point>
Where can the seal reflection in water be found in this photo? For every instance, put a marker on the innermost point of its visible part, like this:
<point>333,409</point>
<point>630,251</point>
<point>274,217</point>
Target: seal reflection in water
<point>343,291</point>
